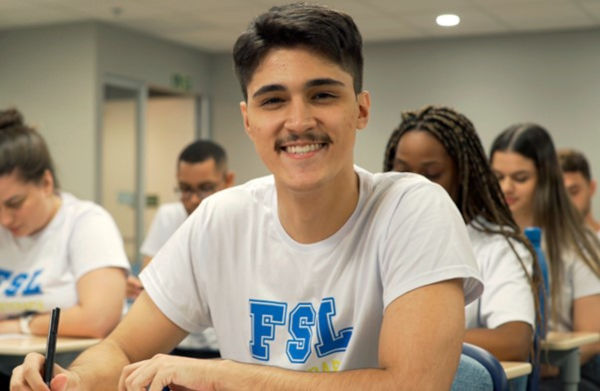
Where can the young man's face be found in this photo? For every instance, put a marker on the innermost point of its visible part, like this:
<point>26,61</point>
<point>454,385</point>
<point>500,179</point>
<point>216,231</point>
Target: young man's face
<point>302,114</point>
<point>197,181</point>
<point>580,191</point>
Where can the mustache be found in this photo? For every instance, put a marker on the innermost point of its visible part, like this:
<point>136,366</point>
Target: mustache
<point>308,136</point>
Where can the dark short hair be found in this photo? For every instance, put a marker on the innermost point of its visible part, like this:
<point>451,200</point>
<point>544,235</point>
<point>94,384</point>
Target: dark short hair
<point>22,149</point>
<point>326,32</point>
<point>202,150</point>
<point>574,161</point>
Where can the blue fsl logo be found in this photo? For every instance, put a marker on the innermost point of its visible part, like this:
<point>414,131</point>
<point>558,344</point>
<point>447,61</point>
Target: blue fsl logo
<point>24,284</point>
<point>267,315</point>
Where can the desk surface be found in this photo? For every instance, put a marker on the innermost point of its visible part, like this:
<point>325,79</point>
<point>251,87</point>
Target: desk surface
<point>20,345</point>
<point>567,341</point>
<point>514,369</point>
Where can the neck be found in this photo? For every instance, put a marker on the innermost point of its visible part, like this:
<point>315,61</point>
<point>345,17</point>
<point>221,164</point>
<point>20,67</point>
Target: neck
<point>592,223</point>
<point>524,220</point>
<point>312,216</point>
<point>52,207</point>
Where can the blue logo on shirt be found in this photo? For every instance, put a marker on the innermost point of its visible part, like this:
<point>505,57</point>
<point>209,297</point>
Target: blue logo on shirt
<point>24,284</point>
<point>266,315</point>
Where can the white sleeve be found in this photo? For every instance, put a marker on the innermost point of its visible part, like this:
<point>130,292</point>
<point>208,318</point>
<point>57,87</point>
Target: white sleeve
<point>95,242</point>
<point>507,296</point>
<point>170,276</point>
<point>156,236</point>
<point>427,242</point>
<point>585,281</point>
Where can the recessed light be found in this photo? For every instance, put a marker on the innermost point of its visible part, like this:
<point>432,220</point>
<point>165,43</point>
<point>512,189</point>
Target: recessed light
<point>447,20</point>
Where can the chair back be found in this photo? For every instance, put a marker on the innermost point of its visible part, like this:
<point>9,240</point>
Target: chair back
<point>479,370</point>
<point>534,234</point>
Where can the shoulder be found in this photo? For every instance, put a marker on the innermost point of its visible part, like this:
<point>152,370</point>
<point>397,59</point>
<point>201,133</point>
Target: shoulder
<point>73,207</point>
<point>171,211</point>
<point>491,246</point>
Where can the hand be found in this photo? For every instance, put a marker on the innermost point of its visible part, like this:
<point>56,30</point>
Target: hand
<point>28,376</point>
<point>134,287</point>
<point>178,373</point>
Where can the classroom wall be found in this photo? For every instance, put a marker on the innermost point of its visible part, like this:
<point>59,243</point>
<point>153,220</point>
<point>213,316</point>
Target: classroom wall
<point>550,78</point>
<point>53,74</point>
<point>48,73</point>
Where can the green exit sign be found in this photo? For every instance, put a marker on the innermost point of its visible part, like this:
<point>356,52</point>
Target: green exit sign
<point>181,82</point>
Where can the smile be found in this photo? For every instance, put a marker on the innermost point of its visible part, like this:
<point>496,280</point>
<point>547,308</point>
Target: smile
<point>303,149</point>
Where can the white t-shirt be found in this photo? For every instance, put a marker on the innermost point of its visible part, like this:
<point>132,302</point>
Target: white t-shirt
<point>167,220</point>
<point>40,272</point>
<point>507,296</point>
<point>578,281</point>
<point>311,307</point>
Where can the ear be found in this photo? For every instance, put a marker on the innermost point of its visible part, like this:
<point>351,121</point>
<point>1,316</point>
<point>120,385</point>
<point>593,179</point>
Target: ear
<point>244,110</point>
<point>593,185</point>
<point>229,179</point>
<point>47,182</point>
<point>364,109</point>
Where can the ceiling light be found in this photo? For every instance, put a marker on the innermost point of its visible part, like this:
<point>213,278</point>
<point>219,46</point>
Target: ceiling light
<point>447,20</point>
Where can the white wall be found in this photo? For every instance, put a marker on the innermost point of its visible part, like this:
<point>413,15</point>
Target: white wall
<point>552,78</point>
<point>48,74</point>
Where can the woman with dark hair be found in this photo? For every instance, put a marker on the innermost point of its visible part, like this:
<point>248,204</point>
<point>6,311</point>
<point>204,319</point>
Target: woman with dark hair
<point>525,162</point>
<point>442,145</point>
<point>55,250</point>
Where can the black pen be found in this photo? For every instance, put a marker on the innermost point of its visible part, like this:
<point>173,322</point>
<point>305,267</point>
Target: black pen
<point>51,346</point>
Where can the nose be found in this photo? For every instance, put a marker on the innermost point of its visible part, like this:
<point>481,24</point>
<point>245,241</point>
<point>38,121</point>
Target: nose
<point>300,116</point>
<point>6,218</point>
<point>507,186</point>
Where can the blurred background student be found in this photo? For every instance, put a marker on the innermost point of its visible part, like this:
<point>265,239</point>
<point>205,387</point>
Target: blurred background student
<point>579,184</point>
<point>442,145</point>
<point>525,162</point>
<point>55,250</point>
<point>201,171</point>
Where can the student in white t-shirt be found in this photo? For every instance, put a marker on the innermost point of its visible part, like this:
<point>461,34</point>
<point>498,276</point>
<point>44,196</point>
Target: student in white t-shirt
<point>442,145</point>
<point>579,184</point>
<point>55,250</point>
<point>524,159</point>
<point>201,171</point>
<point>321,276</point>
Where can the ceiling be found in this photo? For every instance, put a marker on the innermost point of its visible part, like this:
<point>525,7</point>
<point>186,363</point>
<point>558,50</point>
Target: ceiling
<point>214,25</point>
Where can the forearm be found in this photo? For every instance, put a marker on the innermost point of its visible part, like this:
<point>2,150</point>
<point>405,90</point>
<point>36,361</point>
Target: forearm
<point>506,343</point>
<point>78,321</point>
<point>231,375</point>
<point>99,367</point>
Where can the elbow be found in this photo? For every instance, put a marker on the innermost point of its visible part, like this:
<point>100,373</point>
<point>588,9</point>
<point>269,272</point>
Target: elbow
<point>102,326</point>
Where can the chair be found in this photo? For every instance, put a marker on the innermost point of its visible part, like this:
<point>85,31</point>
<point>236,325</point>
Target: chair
<point>534,234</point>
<point>479,370</point>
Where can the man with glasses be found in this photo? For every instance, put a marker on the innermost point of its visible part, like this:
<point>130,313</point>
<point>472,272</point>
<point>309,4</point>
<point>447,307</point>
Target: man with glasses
<point>201,171</point>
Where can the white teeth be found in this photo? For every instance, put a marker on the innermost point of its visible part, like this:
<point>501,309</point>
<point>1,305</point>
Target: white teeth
<point>300,149</point>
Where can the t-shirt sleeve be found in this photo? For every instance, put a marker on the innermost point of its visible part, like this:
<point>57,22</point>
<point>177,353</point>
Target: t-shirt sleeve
<point>170,280</point>
<point>156,236</point>
<point>95,242</point>
<point>585,281</point>
<point>426,242</point>
<point>507,296</point>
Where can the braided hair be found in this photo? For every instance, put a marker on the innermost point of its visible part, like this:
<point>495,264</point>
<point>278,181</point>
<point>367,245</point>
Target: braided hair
<point>479,197</point>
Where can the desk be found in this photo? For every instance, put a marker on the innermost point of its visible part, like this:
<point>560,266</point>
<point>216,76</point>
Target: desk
<point>514,369</point>
<point>20,345</point>
<point>562,349</point>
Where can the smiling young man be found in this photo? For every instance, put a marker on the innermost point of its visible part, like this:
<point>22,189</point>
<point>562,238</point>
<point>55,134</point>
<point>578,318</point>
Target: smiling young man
<point>321,276</point>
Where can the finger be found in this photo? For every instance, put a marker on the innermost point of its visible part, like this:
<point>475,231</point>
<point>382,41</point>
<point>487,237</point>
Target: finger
<point>59,383</point>
<point>30,373</point>
<point>126,373</point>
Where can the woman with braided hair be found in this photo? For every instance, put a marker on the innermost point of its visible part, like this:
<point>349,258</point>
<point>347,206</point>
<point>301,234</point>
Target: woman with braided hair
<point>525,162</point>
<point>442,145</point>
<point>55,250</point>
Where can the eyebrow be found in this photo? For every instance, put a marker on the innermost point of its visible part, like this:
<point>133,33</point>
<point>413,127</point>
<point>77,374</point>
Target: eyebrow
<point>326,81</point>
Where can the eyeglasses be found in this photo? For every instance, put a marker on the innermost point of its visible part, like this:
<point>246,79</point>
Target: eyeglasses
<point>203,191</point>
